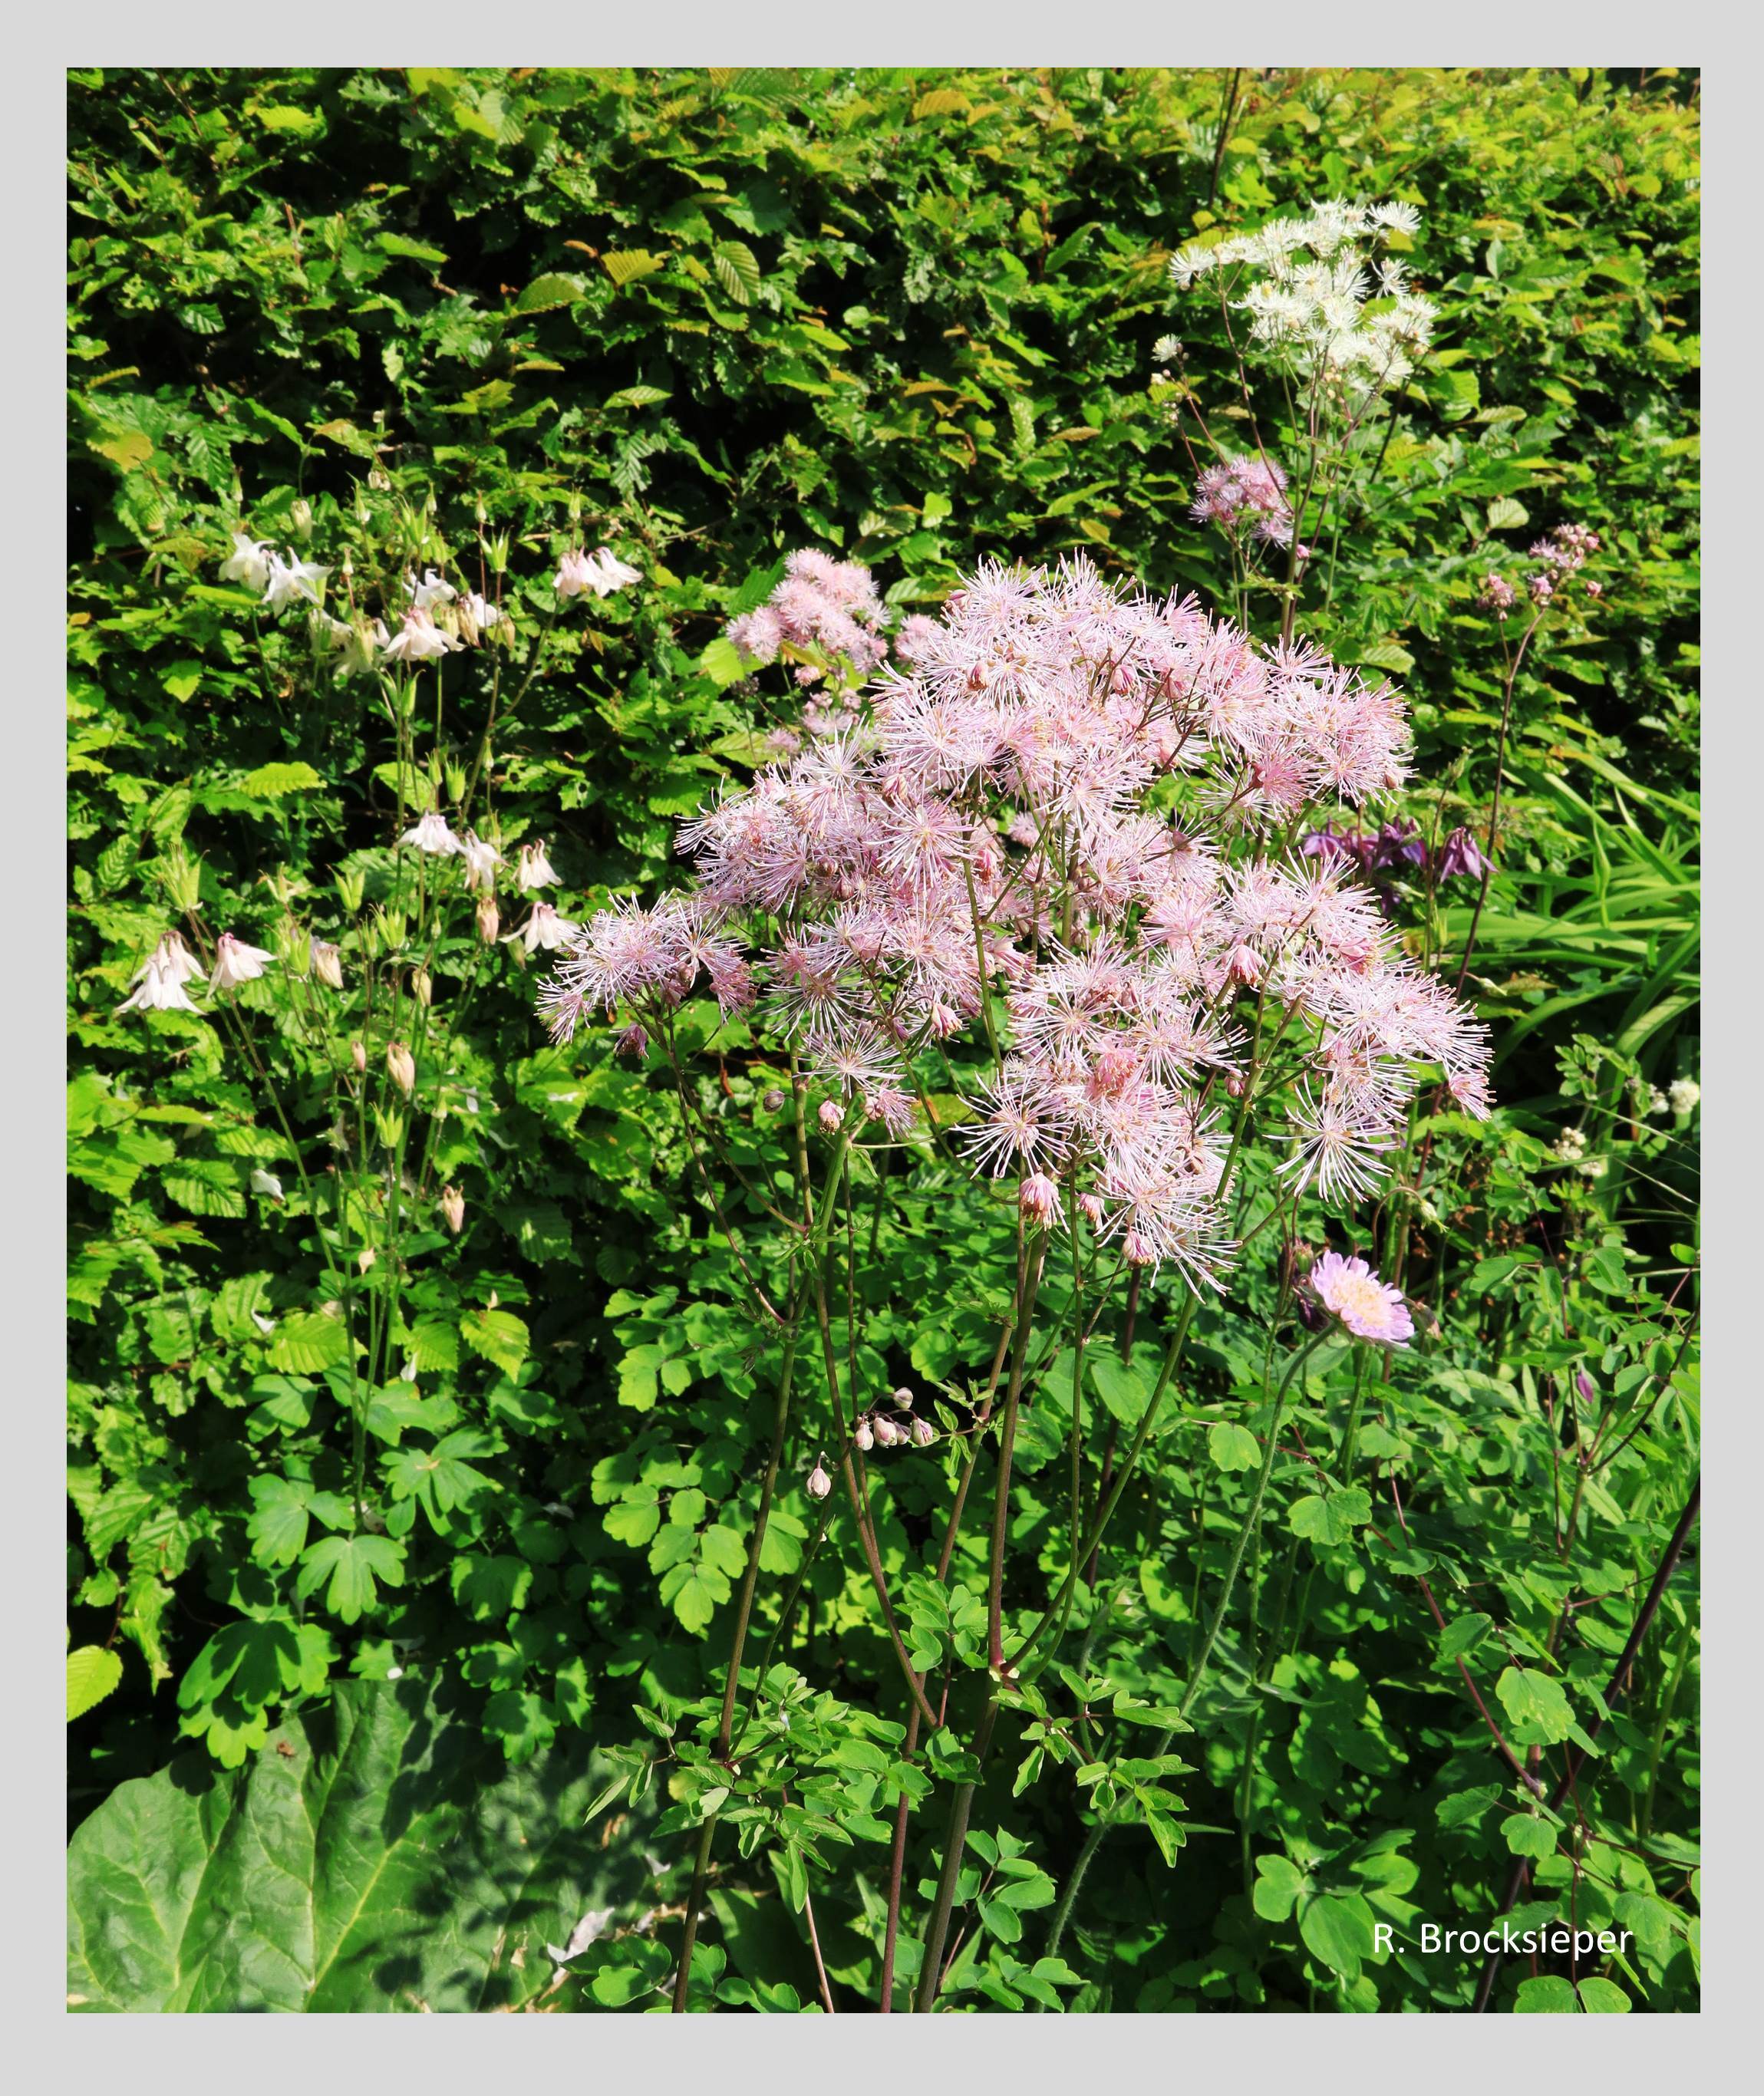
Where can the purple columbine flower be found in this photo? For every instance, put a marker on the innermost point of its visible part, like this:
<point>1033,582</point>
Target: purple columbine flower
<point>1461,854</point>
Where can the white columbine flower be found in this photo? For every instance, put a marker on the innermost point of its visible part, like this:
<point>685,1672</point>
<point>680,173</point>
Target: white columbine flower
<point>481,861</point>
<point>533,868</point>
<point>430,833</point>
<point>158,989</point>
<point>327,961</point>
<point>248,563</point>
<point>171,957</point>
<point>431,591</point>
<point>477,614</point>
<point>235,962</point>
<point>289,581</point>
<point>544,929</point>
<point>419,640</point>
<point>266,1183</point>
<point>600,571</point>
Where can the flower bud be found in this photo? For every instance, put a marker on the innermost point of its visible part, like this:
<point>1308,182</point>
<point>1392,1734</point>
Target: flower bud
<point>181,876</point>
<point>455,782</point>
<point>819,1484</point>
<point>1233,1086</point>
<point>1588,1388</point>
<point>365,1258</point>
<point>831,1114</point>
<point>632,1042</point>
<point>1092,1210</point>
<point>903,1397</point>
<point>923,1433</point>
<point>887,1432</point>
<point>402,1065</point>
<point>773,1101</point>
<point>327,962</point>
<point>489,919</point>
<point>865,1439</point>
<point>422,988</point>
<point>300,516</point>
<point>1038,1198</point>
<point>390,1123</point>
<point>453,1209</point>
<point>358,1054</point>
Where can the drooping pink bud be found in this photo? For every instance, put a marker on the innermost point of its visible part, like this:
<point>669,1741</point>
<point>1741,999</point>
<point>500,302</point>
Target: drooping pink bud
<point>632,1041</point>
<point>819,1484</point>
<point>903,1397</point>
<point>865,1439</point>
<point>887,1432</point>
<point>403,1066</point>
<point>358,1055</point>
<point>1092,1210</point>
<point>453,1209</point>
<point>923,1433</point>
<point>773,1101</point>
<point>1038,1198</point>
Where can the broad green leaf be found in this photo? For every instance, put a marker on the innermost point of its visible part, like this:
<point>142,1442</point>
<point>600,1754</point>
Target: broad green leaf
<point>499,1335</point>
<point>375,1856</point>
<point>1537,1706</point>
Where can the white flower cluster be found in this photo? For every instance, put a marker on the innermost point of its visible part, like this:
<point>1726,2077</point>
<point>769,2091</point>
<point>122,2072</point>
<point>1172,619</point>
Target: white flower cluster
<point>1318,296</point>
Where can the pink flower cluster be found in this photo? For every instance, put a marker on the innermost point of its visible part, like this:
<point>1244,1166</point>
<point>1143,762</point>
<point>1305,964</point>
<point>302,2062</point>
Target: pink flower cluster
<point>1563,553</point>
<point>825,608</point>
<point>1084,796</point>
<point>1245,490</point>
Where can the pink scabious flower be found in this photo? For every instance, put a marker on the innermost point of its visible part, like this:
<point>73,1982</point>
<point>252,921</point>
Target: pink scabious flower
<point>1369,1308</point>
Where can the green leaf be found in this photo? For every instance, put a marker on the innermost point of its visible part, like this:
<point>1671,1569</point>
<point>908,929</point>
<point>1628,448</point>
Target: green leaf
<point>308,1342</point>
<point>377,1855</point>
<point>1232,1447</point>
<point>352,1563</point>
<point>1526,1835</point>
<point>1546,1996</point>
<point>499,1335</point>
<point>1603,1997</point>
<point>737,270</point>
<point>1278,1884</point>
<point>270,782</point>
<point>94,1670</point>
<point>1537,1706</point>
<point>415,251</point>
<point>1338,1930</point>
<point>546,294</point>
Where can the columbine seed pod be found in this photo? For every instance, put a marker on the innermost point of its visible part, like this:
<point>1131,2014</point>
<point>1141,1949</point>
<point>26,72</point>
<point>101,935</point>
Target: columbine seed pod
<point>819,1484</point>
<point>453,1209</point>
<point>402,1065</point>
<point>489,919</point>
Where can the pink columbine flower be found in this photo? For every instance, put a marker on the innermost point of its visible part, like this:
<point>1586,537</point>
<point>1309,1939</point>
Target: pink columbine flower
<point>1369,1308</point>
<point>1460,855</point>
<point>235,962</point>
<point>419,640</point>
<point>431,591</point>
<point>480,859</point>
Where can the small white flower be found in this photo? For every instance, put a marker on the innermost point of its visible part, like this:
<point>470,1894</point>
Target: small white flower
<point>1682,1094</point>
<point>235,962</point>
<point>600,571</point>
<point>249,562</point>
<point>533,868</point>
<point>481,861</point>
<point>544,928</point>
<point>431,591</point>
<point>1395,217</point>
<point>264,1325</point>
<point>291,581</point>
<point>171,957</point>
<point>266,1182</point>
<point>1570,1145</point>
<point>430,833</point>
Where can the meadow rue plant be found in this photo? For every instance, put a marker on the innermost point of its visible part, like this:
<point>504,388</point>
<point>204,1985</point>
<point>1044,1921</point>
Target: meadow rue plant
<point>1063,839</point>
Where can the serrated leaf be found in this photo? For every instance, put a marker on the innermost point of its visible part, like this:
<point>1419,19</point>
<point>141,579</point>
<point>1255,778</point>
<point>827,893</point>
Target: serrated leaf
<point>308,1342</point>
<point>625,265</point>
<point>638,397</point>
<point>546,294</point>
<point>737,270</point>
<point>94,1670</point>
<point>270,782</point>
<point>499,1335</point>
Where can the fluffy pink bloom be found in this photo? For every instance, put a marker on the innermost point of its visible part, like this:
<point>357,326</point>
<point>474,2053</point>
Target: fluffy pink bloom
<point>1245,490</point>
<point>1370,1308</point>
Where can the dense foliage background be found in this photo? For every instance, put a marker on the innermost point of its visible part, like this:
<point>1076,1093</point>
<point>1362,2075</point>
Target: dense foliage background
<point>910,318</point>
